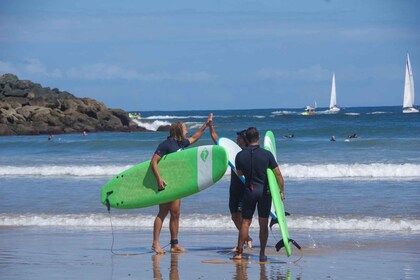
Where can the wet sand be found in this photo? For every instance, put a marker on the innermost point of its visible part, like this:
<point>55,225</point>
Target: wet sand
<point>74,253</point>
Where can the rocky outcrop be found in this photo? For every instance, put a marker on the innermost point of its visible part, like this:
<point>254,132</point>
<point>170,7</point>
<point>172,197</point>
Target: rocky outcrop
<point>26,108</point>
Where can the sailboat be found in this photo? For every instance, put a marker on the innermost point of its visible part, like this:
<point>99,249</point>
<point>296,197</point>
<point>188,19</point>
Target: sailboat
<point>333,99</point>
<point>409,89</point>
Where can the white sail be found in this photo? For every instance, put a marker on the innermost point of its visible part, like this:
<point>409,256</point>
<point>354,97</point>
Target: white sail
<point>409,89</point>
<point>333,99</point>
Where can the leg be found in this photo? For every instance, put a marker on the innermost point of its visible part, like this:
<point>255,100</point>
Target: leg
<point>237,220</point>
<point>157,227</point>
<point>175,211</point>
<point>243,234</point>
<point>263,237</point>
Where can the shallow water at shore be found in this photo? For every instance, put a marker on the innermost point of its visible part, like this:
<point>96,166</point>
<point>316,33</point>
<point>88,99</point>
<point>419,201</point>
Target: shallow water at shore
<point>354,205</point>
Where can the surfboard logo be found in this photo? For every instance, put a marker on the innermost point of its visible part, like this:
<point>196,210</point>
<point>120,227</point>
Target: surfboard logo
<point>204,154</point>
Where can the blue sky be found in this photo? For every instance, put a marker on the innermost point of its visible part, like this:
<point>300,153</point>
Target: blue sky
<point>193,55</point>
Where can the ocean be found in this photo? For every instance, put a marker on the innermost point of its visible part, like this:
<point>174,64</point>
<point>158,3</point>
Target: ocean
<point>367,187</point>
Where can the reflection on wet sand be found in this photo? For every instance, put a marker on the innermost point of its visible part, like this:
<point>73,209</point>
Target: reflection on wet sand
<point>241,272</point>
<point>173,272</point>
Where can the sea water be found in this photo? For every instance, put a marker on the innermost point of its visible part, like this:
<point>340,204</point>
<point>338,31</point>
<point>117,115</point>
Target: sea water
<point>368,185</point>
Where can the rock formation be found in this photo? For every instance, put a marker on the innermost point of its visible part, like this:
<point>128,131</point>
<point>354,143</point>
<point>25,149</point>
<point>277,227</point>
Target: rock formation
<point>26,108</point>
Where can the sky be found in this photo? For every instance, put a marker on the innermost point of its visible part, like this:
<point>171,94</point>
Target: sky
<point>210,55</point>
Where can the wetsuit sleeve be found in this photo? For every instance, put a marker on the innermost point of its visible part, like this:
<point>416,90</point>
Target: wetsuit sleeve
<point>238,162</point>
<point>186,143</point>
<point>162,149</point>
<point>272,163</point>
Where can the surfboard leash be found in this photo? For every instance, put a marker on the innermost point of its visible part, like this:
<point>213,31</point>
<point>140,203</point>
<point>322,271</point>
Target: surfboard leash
<point>108,207</point>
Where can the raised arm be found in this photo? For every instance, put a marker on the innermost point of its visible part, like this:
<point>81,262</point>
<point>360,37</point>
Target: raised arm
<point>201,130</point>
<point>213,133</point>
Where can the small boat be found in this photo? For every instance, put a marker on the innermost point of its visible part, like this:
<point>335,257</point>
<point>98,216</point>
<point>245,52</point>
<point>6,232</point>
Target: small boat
<point>333,100</point>
<point>134,116</point>
<point>409,89</point>
<point>308,111</point>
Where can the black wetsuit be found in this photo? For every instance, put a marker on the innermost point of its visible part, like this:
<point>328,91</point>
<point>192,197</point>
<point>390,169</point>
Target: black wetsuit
<point>254,162</point>
<point>170,145</point>
<point>236,193</point>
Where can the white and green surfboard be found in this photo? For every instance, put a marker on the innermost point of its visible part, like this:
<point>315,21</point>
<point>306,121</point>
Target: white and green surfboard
<point>185,172</point>
<point>270,145</point>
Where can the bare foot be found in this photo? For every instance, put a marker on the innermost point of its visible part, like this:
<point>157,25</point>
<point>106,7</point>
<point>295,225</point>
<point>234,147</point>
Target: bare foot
<point>263,258</point>
<point>237,256</point>
<point>158,250</point>
<point>249,242</point>
<point>177,249</point>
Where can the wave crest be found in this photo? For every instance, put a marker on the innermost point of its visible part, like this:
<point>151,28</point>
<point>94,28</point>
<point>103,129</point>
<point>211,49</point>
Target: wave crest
<point>210,222</point>
<point>292,171</point>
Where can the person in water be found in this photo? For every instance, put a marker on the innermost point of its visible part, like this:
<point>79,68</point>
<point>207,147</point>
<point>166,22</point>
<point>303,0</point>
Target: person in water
<point>354,135</point>
<point>253,163</point>
<point>176,141</point>
<point>237,187</point>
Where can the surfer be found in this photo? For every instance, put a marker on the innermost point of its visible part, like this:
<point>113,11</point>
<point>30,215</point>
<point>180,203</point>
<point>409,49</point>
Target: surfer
<point>354,135</point>
<point>176,141</point>
<point>253,162</point>
<point>289,136</point>
<point>236,188</point>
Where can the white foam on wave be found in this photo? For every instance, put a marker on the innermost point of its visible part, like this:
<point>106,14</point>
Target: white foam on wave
<point>165,117</point>
<point>363,224</point>
<point>284,112</point>
<point>153,126</point>
<point>378,113</point>
<point>209,222</point>
<point>57,170</point>
<point>292,171</point>
<point>357,171</point>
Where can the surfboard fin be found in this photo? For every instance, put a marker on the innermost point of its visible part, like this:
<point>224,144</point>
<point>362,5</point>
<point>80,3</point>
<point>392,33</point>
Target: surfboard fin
<point>273,222</point>
<point>295,243</point>
<point>108,206</point>
<point>280,244</point>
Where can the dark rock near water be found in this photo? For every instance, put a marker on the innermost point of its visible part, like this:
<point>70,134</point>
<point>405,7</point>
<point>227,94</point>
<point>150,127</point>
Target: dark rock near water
<point>26,108</point>
<point>164,128</point>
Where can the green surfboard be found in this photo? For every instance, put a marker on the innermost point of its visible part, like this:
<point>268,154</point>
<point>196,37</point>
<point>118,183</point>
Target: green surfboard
<point>270,145</point>
<point>185,172</point>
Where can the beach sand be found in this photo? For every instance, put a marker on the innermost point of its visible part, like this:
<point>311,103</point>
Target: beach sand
<point>74,253</point>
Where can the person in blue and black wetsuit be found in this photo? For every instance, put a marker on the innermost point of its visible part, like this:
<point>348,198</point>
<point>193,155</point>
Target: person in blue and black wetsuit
<point>253,163</point>
<point>237,187</point>
<point>176,141</point>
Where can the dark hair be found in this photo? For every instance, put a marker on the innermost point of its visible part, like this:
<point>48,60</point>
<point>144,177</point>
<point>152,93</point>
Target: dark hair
<point>242,134</point>
<point>252,134</point>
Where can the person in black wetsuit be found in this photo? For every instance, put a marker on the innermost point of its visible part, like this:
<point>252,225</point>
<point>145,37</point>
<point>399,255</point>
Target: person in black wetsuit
<point>253,163</point>
<point>237,187</point>
<point>176,141</point>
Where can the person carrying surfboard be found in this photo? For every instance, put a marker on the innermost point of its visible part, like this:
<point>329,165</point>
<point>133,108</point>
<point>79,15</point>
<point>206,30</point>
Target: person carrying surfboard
<point>253,163</point>
<point>176,141</point>
<point>236,188</point>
